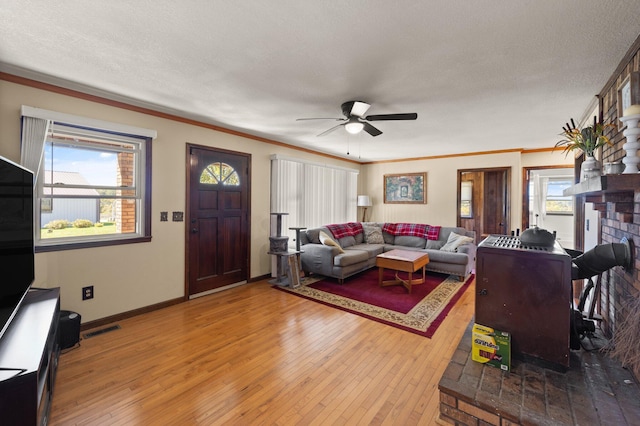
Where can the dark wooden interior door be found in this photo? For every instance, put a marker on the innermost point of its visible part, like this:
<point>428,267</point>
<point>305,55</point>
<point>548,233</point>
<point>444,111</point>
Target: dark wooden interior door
<point>218,224</point>
<point>495,202</point>
<point>490,206</point>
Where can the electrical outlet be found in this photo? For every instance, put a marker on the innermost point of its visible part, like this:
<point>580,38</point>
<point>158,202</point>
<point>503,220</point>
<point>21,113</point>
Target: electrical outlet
<point>87,292</point>
<point>164,216</point>
<point>177,216</point>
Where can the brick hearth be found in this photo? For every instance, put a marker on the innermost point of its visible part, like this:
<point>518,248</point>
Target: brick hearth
<point>596,390</point>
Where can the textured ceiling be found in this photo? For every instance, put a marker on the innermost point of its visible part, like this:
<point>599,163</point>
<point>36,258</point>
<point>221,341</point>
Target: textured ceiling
<point>482,75</point>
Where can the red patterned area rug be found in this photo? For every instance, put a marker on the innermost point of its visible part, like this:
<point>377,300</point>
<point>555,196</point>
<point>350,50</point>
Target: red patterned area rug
<point>420,312</point>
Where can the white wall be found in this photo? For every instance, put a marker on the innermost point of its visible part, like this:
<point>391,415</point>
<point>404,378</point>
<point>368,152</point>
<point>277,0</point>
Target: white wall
<point>128,277</point>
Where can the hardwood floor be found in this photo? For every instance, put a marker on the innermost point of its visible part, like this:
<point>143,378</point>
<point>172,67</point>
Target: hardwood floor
<point>255,355</point>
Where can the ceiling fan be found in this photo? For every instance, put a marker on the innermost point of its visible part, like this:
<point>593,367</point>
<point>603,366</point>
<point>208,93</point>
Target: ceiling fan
<point>355,120</point>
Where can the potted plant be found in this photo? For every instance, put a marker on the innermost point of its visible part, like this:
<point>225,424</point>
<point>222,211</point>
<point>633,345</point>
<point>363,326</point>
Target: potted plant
<point>587,140</point>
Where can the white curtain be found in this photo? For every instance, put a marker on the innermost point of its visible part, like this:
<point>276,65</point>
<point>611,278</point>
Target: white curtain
<point>34,134</point>
<point>539,200</point>
<point>312,194</point>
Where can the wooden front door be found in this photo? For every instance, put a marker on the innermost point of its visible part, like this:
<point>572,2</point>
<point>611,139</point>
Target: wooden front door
<point>217,218</point>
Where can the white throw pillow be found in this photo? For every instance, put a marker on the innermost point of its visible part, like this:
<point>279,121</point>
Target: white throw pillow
<point>454,241</point>
<point>373,234</point>
<point>328,241</point>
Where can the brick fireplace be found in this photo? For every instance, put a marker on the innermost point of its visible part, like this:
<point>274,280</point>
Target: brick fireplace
<point>619,212</point>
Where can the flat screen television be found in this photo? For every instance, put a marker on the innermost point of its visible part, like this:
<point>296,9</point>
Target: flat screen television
<point>16,238</point>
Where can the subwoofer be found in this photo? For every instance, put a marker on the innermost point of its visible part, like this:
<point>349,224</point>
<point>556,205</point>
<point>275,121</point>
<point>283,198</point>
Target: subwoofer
<point>69,329</point>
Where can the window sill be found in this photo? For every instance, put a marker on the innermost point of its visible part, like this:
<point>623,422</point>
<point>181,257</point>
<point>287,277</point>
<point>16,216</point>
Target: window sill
<point>91,244</point>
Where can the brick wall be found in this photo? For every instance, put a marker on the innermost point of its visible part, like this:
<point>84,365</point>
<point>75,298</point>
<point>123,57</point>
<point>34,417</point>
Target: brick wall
<point>618,286</point>
<point>125,209</point>
<point>460,413</point>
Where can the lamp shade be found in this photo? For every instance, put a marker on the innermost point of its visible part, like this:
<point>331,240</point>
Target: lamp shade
<point>364,201</point>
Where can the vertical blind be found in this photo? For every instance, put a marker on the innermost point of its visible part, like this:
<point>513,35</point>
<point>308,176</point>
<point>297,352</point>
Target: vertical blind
<point>312,194</point>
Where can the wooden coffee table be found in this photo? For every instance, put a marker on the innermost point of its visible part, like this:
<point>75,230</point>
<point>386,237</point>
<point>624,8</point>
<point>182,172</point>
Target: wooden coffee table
<point>402,261</point>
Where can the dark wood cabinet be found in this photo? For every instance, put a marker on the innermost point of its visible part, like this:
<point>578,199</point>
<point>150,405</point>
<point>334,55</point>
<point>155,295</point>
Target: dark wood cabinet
<point>526,292</point>
<point>29,352</point>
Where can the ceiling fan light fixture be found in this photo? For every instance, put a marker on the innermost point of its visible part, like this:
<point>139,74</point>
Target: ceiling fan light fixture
<point>354,127</point>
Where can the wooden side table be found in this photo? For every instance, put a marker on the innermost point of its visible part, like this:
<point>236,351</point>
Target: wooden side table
<point>402,261</point>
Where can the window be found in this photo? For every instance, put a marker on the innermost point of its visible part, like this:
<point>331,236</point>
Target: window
<point>312,194</point>
<point>92,184</point>
<point>466,199</point>
<point>555,202</point>
<point>220,173</point>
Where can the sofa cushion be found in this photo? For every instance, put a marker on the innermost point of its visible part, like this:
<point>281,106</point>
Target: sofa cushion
<point>445,231</point>
<point>409,241</point>
<point>313,235</point>
<point>434,245</point>
<point>388,238</point>
<point>373,234</point>
<point>350,257</point>
<point>454,241</point>
<point>372,249</point>
<point>328,241</point>
<point>347,241</point>
<point>439,256</point>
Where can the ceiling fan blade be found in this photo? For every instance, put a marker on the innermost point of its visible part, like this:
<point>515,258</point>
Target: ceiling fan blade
<point>357,108</point>
<point>381,117</point>
<point>326,132</point>
<point>371,130</point>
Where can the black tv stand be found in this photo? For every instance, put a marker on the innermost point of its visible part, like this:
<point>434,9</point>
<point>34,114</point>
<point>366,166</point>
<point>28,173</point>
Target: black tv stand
<point>29,352</point>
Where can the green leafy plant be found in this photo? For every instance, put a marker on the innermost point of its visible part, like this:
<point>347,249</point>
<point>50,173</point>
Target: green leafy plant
<point>588,140</point>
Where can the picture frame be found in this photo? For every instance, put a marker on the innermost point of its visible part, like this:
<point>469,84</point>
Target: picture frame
<point>405,188</point>
<point>628,92</point>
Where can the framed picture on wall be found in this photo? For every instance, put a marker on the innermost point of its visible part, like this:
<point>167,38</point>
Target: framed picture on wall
<point>629,92</point>
<point>405,188</point>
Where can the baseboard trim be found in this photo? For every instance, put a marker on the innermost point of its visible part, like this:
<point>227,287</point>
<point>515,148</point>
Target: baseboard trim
<point>124,315</point>
<point>259,278</point>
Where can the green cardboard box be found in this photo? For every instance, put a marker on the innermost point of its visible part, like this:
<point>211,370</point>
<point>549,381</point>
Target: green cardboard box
<point>492,347</point>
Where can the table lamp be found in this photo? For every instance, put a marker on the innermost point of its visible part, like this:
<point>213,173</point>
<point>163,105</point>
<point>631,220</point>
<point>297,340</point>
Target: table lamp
<point>364,201</point>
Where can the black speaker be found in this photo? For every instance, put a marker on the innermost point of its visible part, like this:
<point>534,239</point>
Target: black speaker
<point>69,329</point>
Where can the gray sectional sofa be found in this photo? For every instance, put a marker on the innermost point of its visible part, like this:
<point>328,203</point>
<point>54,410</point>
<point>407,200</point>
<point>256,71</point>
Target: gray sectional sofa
<point>356,254</point>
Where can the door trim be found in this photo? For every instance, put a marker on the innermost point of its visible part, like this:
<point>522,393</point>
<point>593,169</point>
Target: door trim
<point>507,198</point>
<point>187,214</point>
<point>526,177</point>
